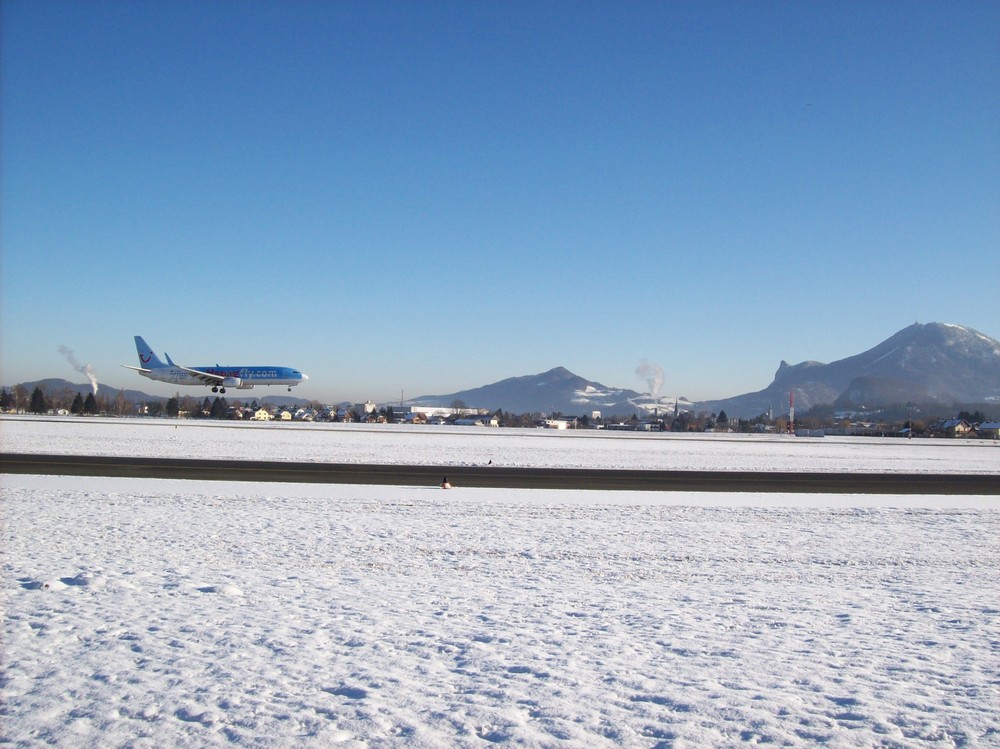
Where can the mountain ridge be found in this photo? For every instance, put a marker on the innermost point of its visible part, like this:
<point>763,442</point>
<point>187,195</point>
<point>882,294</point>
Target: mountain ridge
<point>922,363</point>
<point>932,362</point>
<point>53,385</point>
<point>555,390</point>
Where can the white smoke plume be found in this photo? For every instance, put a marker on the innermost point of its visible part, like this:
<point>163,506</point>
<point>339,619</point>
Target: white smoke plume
<point>87,369</point>
<point>652,374</point>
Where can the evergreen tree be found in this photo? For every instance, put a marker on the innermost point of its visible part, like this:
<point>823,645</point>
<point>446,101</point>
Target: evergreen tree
<point>5,400</point>
<point>218,408</point>
<point>37,401</point>
<point>90,405</point>
<point>77,407</point>
<point>204,409</point>
<point>173,407</point>
<point>682,423</point>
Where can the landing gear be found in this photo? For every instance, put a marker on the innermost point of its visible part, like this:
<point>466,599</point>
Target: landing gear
<point>217,389</point>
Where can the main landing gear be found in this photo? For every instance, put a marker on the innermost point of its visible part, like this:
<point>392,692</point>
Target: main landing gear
<point>216,389</point>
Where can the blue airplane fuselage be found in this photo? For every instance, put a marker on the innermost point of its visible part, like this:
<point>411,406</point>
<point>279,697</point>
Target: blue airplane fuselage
<point>217,377</point>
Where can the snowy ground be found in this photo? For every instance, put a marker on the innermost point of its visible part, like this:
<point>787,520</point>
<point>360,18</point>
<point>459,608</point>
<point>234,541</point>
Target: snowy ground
<point>445,445</point>
<point>150,613</point>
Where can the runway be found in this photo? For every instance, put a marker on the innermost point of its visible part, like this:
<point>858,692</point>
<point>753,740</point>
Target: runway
<point>491,476</point>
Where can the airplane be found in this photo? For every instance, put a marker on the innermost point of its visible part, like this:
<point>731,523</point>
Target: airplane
<point>217,377</point>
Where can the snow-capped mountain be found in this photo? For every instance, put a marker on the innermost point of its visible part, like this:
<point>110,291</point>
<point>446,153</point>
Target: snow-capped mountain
<point>556,390</point>
<point>933,362</point>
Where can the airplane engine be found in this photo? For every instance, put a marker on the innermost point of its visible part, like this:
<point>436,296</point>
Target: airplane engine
<point>234,382</point>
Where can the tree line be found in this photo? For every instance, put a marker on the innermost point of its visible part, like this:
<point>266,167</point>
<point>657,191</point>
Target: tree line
<point>39,401</point>
<point>914,416</point>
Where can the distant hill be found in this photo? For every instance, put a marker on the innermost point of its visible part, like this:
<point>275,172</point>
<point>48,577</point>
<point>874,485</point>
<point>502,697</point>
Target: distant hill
<point>53,385</point>
<point>555,390</point>
<point>934,362</point>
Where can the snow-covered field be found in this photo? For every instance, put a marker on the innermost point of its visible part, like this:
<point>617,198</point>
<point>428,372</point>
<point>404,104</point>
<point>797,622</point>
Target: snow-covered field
<point>443,445</point>
<point>151,613</point>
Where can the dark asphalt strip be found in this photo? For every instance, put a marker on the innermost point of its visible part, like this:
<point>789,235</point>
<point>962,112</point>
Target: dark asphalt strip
<point>501,477</point>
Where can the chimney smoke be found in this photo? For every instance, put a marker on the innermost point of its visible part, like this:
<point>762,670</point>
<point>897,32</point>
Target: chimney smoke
<point>87,369</point>
<point>652,374</point>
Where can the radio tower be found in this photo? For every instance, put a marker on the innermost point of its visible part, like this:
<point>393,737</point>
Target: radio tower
<point>791,412</point>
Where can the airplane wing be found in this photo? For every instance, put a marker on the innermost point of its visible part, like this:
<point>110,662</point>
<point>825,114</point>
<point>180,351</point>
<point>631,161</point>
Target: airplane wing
<point>205,377</point>
<point>138,369</point>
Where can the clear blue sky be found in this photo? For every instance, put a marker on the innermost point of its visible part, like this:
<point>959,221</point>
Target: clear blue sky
<point>433,196</point>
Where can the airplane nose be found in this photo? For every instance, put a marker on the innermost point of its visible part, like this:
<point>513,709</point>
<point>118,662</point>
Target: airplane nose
<point>305,376</point>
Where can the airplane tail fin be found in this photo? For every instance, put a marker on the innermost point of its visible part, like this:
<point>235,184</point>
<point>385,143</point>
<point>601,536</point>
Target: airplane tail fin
<point>147,358</point>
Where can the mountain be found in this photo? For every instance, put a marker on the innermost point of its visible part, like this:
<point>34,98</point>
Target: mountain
<point>934,362</point>
<point>54,385</point>
<point>923,363</point>
<point>556,390</point>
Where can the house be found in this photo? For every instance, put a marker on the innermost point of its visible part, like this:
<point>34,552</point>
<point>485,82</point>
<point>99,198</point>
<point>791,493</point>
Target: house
<point>950,428</point>
<point>262,414</point>
<point>478,421</point>
<point>655,425</point>
<point>556,423</point>
<point>990,430</point>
